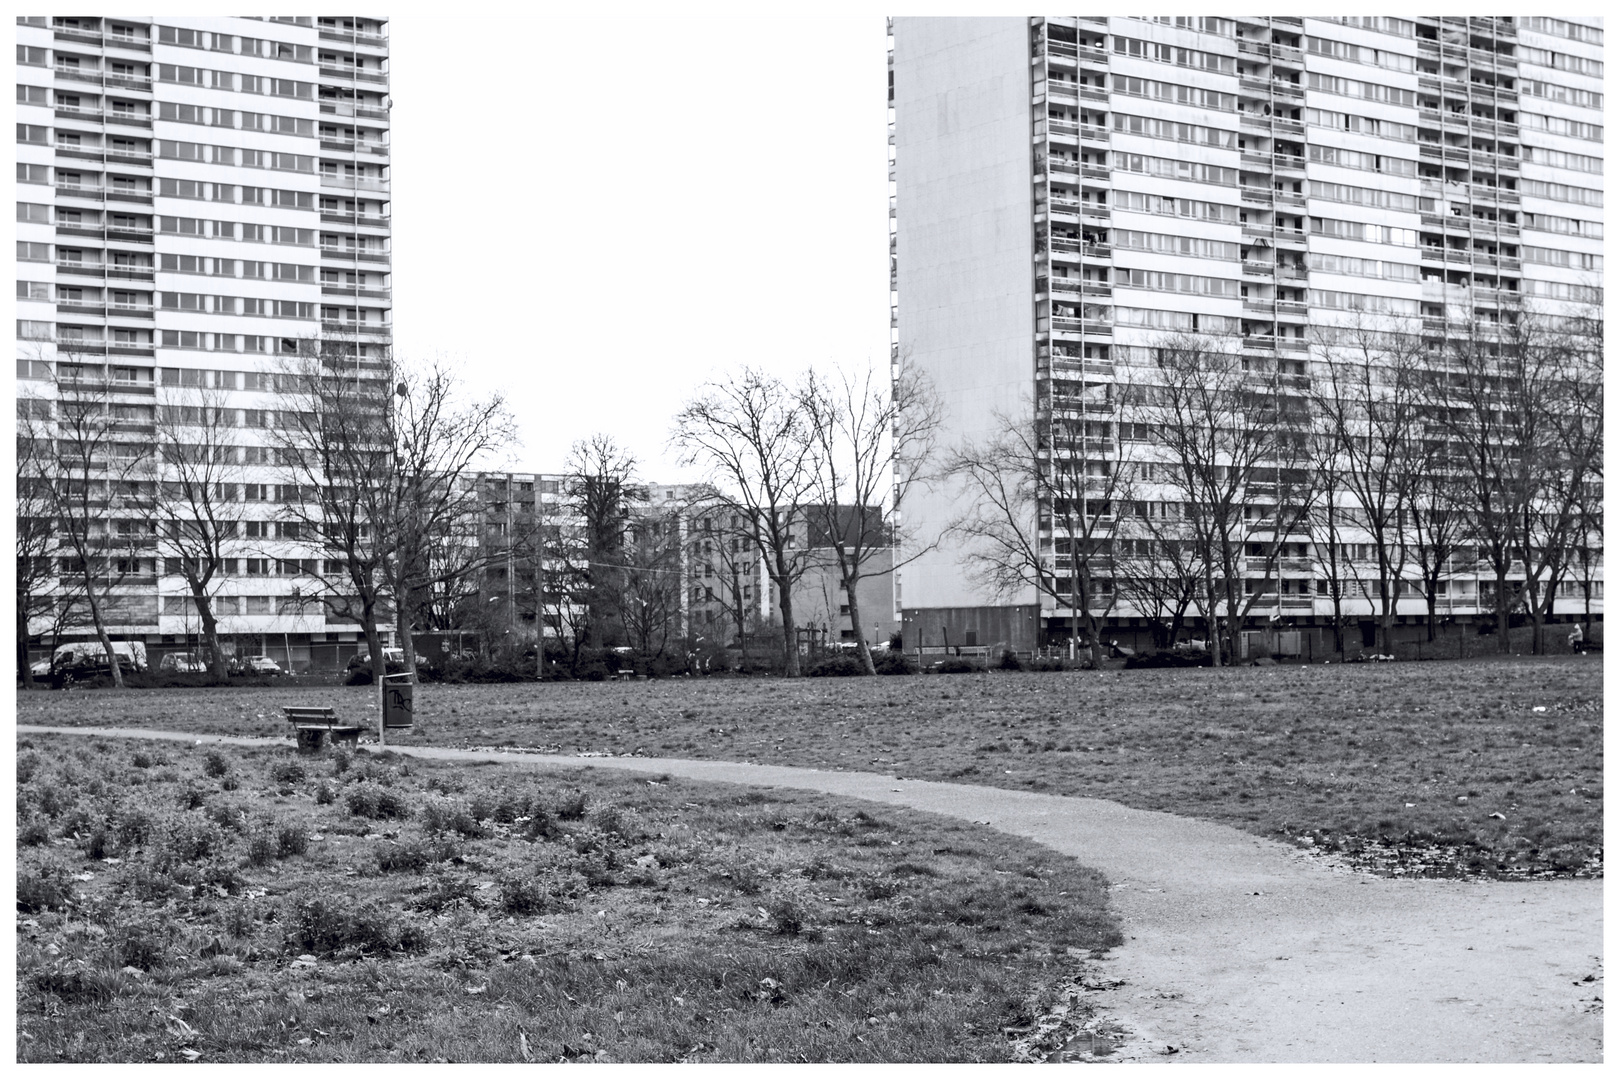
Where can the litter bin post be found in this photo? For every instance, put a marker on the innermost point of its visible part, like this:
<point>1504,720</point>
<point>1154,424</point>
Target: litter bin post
<point>399,704</point>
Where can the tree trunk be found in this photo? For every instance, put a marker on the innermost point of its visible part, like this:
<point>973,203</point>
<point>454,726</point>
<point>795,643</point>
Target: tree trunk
<point>101,628</point>
<point>1503,644</point>
<point>402,626</point>
<point>1211,620</point>
<point>210,629</point>
<point>790,638</point>
<point>855,621</point>
<point>1386,611</point>
<point>25,669</point>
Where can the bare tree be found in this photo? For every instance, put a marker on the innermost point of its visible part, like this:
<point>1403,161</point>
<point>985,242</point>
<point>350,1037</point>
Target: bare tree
<point>599,489</point>
<point>437,442</point>
<point>750,433</point>
<point>41,601</point>
<point>1495,398</point>
<point>1155,563</point>
<point>335,440</point>
<point>1053,477</point>
<point>101,484</point>
<point>1235,440</point>
<point>873,440</point>
<point>651,575</point>
<point>1367,393</point>
<point>200,505</point>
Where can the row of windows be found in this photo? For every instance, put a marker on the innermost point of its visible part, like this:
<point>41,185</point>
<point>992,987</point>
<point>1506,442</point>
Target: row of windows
<point>182,113</point>
<point>240,83</point>
<point>1196,209</point>
<point>237,305</point>
<point>1343,301</point>
<point>1356,159</point>
<point>1359,230</point>
<point>1361,54</point>
<point>1558,125</point>
<point>1563,226</point>
<point>1579,65</point>
<point>1175,169</point>
<point>1390,95</point>
<point>1563,290</point>
<point>1559,28</point>
<point>1586,99</point>
<point>1194,246</point>
<point>1562,192</point>
<point>236,156</point>
<point>1170,54</point>
<point>1154,128</point>
<point>231,230</point>
<point>1360,196</point>
<point>1156,319</point>
<point>1371,268</point>
<point>1162,281</point>
<point>1561,159</point>
<point>1182,95</point>
<point>198,264</point>
<point>1366,125</point>
<point>1575,260</point>
<point>249,605</point>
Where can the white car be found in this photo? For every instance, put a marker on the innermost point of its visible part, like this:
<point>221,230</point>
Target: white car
<point>263,665</point>
<point>39,669</point>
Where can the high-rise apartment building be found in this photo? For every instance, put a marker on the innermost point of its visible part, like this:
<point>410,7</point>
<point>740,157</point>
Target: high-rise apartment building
<point>198,198</point>
<point>1069,191</point>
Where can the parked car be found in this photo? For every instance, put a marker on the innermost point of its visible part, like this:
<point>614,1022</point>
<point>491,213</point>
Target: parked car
<point>261,665</point>
<point>40,668</point>
<point>183,663</point>
<point>86,659</point>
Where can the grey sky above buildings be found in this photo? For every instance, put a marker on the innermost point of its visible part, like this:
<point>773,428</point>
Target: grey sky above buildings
<point>598,218</point>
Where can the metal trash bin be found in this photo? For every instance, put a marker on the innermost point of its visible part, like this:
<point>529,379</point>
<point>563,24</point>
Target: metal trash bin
<point>399,701</point>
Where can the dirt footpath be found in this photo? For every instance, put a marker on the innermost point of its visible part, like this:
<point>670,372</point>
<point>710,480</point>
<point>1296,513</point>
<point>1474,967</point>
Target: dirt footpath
<point>1243,950</point>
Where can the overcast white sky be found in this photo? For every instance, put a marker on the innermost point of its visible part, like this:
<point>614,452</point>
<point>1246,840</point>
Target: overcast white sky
<point>594,215</point>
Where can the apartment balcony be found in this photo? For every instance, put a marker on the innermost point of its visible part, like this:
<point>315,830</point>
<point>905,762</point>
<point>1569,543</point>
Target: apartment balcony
<point>378,41</point>
<point>352,146</point>
<point>353,184</point>
<point>352,75</point>
<point>348,108</point>
<point>1256,196</point>
<point>1093,133</point>
<point>1291,162</point>
<point>1288,272</point>
<point>1259,270</point>
<point>1061,88</point>
<point>1258,229</point>
<point>1283,126</point>
<point>77,34</point>
<point>129,155</point>
<point>74,112</point>
<point>1257,161</point>
<point>346,327</point>
<point>1292,308</point>
<point>128,119</point>
<point>1287,91</point>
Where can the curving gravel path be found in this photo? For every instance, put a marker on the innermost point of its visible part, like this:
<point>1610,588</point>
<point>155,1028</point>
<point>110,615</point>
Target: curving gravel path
<point>1241,949</point>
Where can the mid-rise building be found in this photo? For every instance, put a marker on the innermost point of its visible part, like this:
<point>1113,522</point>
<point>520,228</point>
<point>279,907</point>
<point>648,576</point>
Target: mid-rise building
<point>200,198</point>
<point>1067,192</point>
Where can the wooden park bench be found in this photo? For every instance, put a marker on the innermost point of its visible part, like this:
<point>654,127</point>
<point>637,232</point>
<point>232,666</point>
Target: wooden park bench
<point>625,673</point>
<point>314,723</point>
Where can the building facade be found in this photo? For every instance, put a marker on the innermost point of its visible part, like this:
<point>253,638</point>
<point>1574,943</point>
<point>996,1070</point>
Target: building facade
<point>1067,193</point>
<point>198,199</point>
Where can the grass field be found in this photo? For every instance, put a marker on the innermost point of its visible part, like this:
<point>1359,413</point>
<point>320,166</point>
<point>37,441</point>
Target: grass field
<point>188,903</point>
<point>1463,767</point>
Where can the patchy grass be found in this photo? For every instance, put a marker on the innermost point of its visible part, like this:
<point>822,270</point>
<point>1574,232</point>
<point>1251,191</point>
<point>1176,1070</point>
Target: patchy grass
<point>1443,768</point>
<point>505,914</point>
